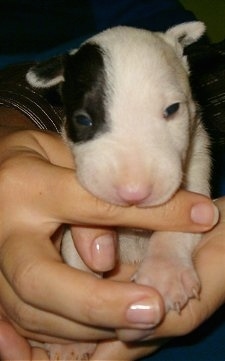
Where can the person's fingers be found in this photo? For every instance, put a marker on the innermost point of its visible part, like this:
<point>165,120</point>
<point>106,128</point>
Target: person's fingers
<point>53,328</point>
<point>14,347</point>
<point>96,246</point>
<point>109,304</point>
<point>118,350</point>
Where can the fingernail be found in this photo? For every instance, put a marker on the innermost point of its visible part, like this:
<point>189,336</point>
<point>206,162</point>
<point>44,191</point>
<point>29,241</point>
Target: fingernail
<point>103,252</point>
<point>146,313</point>
<point>205,214</point>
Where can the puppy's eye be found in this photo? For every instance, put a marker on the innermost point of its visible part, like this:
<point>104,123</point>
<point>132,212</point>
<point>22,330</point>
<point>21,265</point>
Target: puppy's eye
<point>171,110</point>
<point>82,120</point>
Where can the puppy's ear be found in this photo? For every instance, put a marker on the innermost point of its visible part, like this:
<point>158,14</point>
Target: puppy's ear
<point>46,74</point>
<point>183,35</point>
<point>187,33</point>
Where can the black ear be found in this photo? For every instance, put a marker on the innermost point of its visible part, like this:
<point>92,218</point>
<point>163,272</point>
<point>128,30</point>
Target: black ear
<point>46,74</point>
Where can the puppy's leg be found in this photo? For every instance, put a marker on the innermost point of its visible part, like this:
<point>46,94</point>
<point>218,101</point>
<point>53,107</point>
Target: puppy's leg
<point>73,351</point>
<point>168,267</point>
<point>168,264</point>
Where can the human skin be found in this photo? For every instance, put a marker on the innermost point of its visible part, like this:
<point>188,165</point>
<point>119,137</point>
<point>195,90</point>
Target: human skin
<point>209,261</point>
<point>38,193</point>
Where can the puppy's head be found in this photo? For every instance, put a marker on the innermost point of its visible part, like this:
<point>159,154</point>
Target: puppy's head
<point>128,110</point>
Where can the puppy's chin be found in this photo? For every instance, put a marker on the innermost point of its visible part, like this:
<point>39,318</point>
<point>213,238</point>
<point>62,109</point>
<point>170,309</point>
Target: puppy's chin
<point>153,200</point>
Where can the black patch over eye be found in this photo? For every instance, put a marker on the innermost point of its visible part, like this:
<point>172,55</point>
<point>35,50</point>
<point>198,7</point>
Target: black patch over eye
<point>82,120</point>
<point>83,93</point>
<point>171,110</point>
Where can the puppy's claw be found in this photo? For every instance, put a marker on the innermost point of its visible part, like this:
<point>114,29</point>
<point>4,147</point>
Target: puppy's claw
<point>177,307</point>
<point>196,294</point>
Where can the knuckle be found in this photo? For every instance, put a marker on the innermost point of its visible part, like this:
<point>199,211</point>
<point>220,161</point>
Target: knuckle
<point>23,279</point>
<point>24,317</point>
<point>4,179</point>
<point>95,305</point>
<point>106,211</point>
<point>20,314</point>
<point>9,181</point>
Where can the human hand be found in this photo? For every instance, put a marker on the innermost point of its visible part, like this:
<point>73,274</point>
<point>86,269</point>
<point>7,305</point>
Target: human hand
<point>30,300</point>
<point>209,260</point>
<point>32,269</point>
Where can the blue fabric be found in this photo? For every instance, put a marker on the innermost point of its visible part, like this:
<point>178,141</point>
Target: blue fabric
<point>151,14</point>
<point>37,30</point>
<point>204,344</point>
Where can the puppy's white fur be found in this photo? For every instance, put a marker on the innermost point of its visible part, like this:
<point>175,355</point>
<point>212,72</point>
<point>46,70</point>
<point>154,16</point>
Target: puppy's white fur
<point>145,159</point>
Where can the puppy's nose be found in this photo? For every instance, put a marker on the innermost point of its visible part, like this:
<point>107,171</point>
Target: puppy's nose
<point>133,193</point>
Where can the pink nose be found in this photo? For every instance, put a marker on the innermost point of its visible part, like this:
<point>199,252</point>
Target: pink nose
<point>133,194</point>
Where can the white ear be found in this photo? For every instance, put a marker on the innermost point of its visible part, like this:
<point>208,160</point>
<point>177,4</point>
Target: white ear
<point>187,33</point>
<point>46,74</point>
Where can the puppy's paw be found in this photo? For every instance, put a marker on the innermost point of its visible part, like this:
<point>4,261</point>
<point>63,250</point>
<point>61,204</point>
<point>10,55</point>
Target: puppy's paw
<point>176,281</point>
<point>73,351</point>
